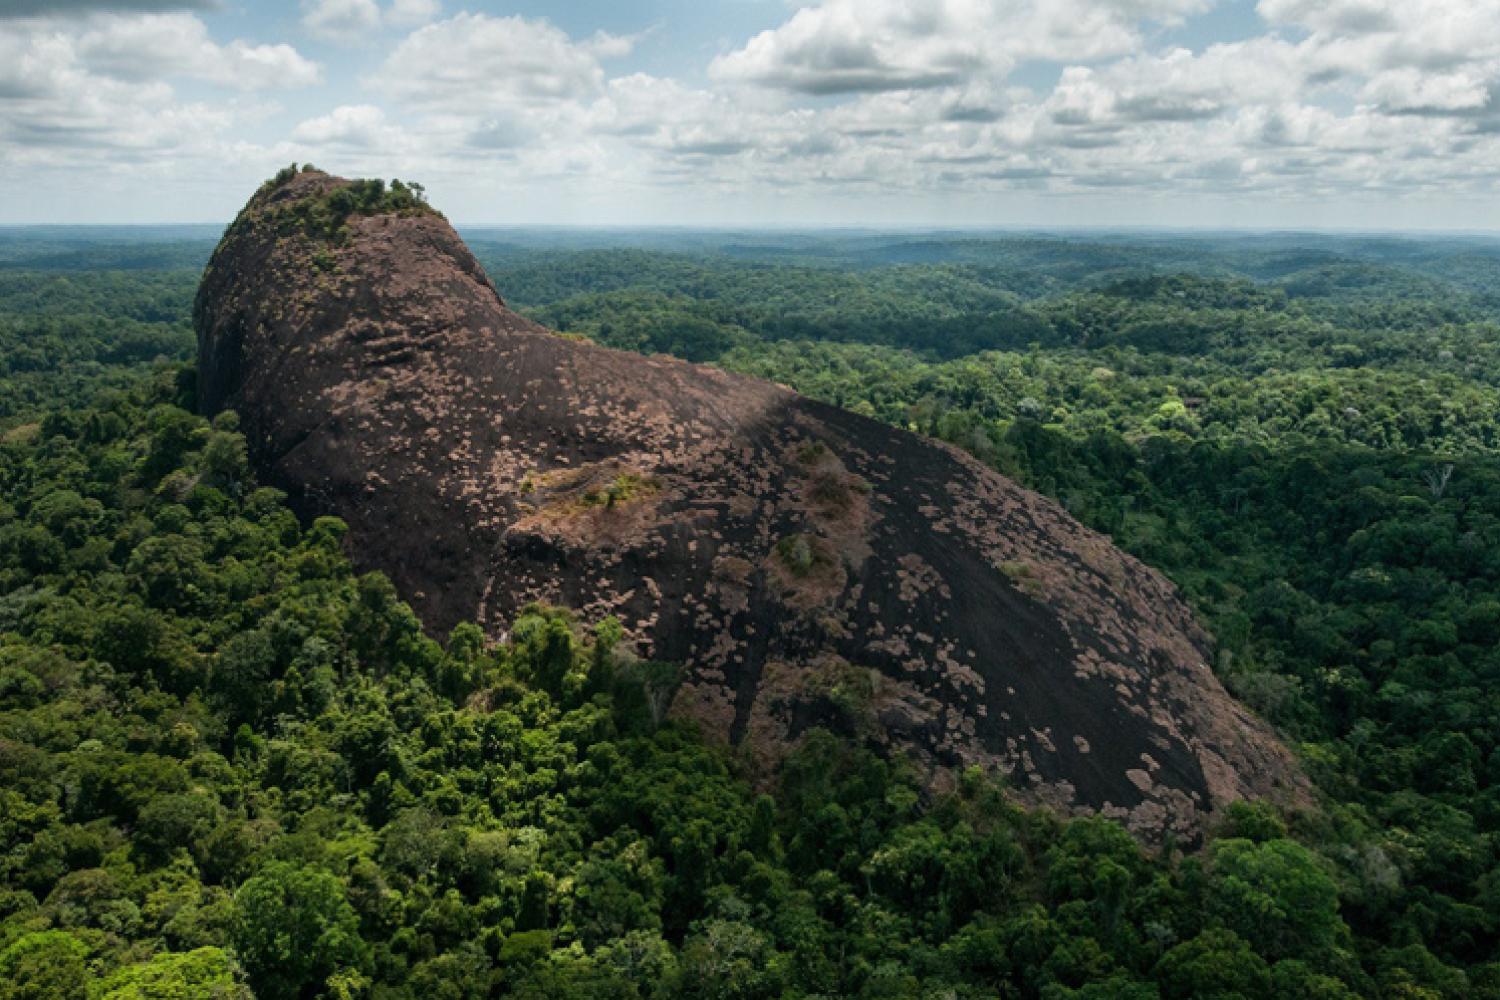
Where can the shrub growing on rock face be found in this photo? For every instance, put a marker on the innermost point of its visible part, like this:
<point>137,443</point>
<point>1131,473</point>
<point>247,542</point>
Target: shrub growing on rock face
<point>326,216</point>
<point>797,554</point>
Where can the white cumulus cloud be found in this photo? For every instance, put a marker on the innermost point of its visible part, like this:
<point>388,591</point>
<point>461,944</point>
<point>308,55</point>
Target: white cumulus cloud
<point>163,45</point>
<point>351,125</point>
<point>860,46</point>
<point>351,20</point>
<point>864,102</point>
<point>477,61</point>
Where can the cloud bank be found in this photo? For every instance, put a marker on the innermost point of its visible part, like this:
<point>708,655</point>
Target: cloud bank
<point>1370,101</point>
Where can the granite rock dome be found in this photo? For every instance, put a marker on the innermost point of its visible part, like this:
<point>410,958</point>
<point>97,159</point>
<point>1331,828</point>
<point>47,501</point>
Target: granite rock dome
<point>779,548</point>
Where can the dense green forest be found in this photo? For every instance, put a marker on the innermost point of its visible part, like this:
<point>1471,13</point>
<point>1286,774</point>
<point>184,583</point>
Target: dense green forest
<point>231,766</point>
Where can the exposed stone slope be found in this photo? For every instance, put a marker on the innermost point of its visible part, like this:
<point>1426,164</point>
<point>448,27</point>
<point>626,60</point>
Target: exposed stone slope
<point>781,548</point>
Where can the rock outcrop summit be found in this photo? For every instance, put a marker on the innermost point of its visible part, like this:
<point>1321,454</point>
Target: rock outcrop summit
<point>786,552</point>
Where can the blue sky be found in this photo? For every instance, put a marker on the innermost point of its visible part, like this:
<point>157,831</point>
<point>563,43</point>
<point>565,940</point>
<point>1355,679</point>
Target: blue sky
<point>1364,114</point>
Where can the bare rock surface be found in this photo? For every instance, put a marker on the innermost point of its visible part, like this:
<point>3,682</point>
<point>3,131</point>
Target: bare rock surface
<point>787,552</point>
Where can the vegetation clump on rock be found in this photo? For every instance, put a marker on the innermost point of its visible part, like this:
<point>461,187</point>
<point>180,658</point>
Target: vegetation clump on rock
<point>326,216</point>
